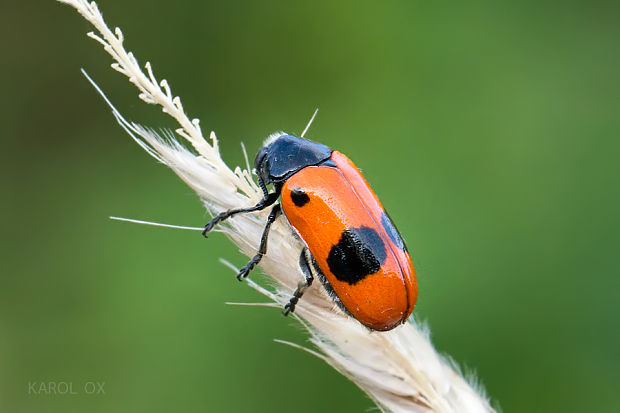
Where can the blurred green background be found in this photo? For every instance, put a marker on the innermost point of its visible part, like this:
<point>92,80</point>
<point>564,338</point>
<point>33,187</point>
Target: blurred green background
<point>489,129</point>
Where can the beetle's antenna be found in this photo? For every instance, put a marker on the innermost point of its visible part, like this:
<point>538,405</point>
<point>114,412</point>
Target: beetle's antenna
<point>156,224</point>
<point>310,123</point>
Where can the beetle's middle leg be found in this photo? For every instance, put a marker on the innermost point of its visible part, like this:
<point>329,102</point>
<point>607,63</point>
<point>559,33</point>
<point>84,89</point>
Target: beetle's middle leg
<point>305,262</point>
<point>262,249</point>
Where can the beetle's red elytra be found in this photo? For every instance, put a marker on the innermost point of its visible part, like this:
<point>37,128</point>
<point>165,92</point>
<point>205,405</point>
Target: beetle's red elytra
<point>350,242</point>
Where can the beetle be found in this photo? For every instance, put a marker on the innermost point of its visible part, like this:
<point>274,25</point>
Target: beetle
<point>350,242</point>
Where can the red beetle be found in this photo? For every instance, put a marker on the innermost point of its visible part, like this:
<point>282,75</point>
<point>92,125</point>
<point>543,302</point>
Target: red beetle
<point>350,241</point>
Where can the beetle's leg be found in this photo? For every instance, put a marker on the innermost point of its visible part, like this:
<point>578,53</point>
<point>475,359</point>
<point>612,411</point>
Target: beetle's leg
<point>268,199</point>
<point>305,262</point>
<point>262,249</point>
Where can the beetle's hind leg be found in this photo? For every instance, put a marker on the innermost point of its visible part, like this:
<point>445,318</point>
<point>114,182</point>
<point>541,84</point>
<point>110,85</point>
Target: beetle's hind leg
<point>262,249</point>
<point>305,263</point>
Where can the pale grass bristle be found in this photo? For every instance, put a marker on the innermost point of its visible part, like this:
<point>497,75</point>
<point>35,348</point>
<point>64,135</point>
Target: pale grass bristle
<point>156,224</point>
<point>399,370</point>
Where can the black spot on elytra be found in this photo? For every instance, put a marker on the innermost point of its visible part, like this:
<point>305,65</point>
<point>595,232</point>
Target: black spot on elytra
<point>392,232</point>
<point>359,252</point>
<point>299,197</point>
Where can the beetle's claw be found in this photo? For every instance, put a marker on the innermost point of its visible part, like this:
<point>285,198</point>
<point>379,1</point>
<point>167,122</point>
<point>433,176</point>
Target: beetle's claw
<point>243,273</point>
<point>288,308</point>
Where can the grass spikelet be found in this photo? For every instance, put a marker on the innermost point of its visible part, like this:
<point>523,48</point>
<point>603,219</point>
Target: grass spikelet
<point>399,370</point>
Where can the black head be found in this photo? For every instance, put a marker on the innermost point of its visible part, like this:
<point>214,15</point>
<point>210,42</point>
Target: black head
<point>286,155</point>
